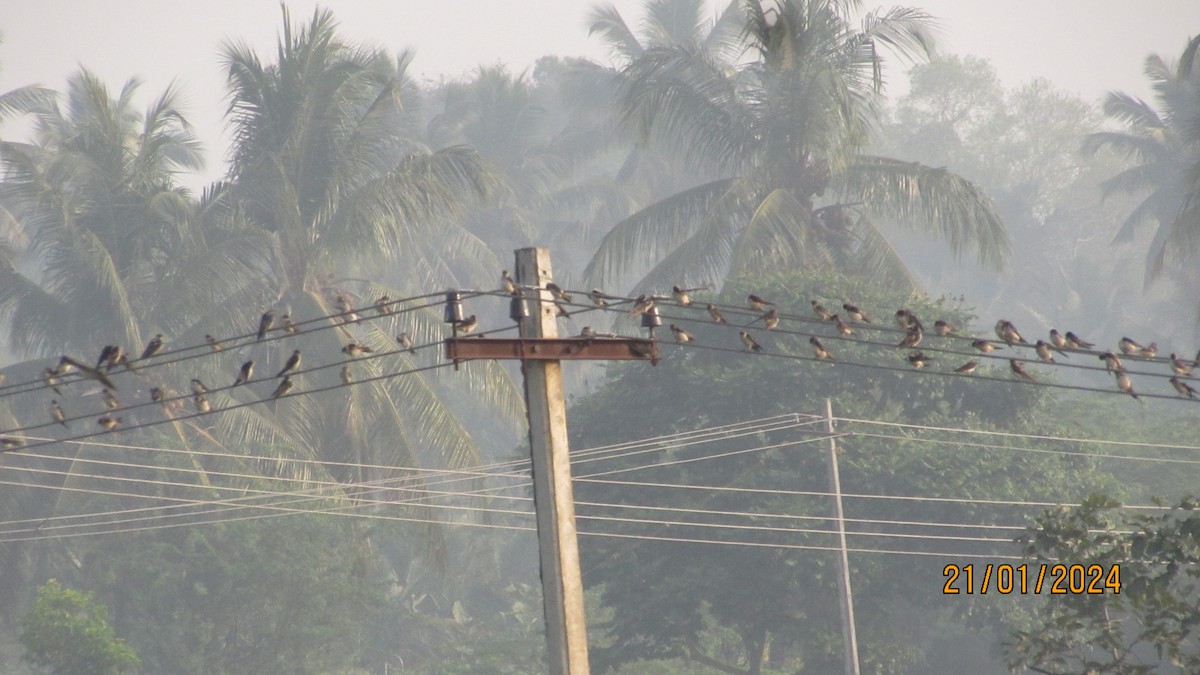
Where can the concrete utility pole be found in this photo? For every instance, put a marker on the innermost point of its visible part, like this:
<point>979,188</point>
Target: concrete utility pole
<point>553,498</point>
<point>849,638</point>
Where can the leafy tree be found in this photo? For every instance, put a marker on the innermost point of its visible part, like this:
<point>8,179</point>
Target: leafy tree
<point>781,130</point>
<point>67,631</point>
<point>1150,626</point>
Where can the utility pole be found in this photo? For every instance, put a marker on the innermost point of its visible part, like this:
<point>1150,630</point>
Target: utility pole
<point>849,638</point>
<point>553,498</point>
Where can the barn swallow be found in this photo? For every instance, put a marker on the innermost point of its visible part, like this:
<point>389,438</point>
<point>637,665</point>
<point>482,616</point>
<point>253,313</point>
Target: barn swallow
<point>264,324</point>
<point>1112,364</point>
<point>855,313</point>
<point>157,395</point>
<point>641,305</point>
<point>770,319</point>
<point>202,404</point>
<point>107,354</point>
<point>212,343</point>
<point>109,423</point>
<point>1182,387</point>
<point>1128,346</point>
<point>680,295</point>
<point>244,373</point>
<point>405,343</point>
<point>967,368</point>
<point>65,364</point>
<point>1018,369</point>
<point>912,338</point>
<point>599,297</point>
<point>289,326</point>
<point>918,359</point>
<point>111,401</point>
<point>347,378</point>
<point>1180,366</point>
<point>292,363</point>
<point>1007,332</point>
<point>590,333</point>
<point>749,341</point>
<point>198,387</point>
<point>906,319</point>
<point>155,346</point>
<point>8,444</point>
<point>681,335</point>
<point>1149,351</point>
<point>356,349</point>
<point>115,357</point>
<point>1076,342</point>
<point>820,311</point>
<point>1125,384</point>
<point>943,328</point>
<point>383,305</point>
<point>123,360</point>
<point>467,325</point>
<point>819,350</point>
<point>1043,351</point>
<point>715,313</point>
<point>558,293</point>
<point>757,303</point>
<point>50,377</point>
<point>1058,340</point>
<point>57,413</point>
<point>507,284</point>
<point>841,326</point>
<point>284,387</point>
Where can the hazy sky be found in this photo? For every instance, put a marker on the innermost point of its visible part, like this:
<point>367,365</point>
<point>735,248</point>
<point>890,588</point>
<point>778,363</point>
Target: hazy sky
<point>1085,46</point>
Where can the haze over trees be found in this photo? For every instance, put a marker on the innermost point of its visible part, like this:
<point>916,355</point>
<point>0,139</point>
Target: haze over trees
<point>348,527</point>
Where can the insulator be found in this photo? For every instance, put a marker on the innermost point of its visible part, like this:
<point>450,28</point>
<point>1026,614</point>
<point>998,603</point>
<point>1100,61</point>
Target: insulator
<point>454,308</point>
<point>517,307</point>
<point>651,319</point>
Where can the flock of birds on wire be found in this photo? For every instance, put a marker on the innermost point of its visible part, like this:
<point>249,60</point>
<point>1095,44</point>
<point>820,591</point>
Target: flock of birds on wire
<point>845,323</point>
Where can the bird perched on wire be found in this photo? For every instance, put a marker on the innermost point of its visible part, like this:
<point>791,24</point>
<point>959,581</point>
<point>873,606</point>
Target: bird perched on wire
<point>918,359</point>
<point>1076,342</point>
<point>201,403</point>
<point>943,328</point>
<point>50,377</point>
<point>842,327</point>
<point>507,284</point>
<point>855,313</point>
<point>757,303</point>
<point>356,349</point>
<point>1182,387</point>
<point>681,295</point>
<point>153,347</point>
<point>284,387</point>
<point>57,413</point>
<point>770,319</point>
<point>681,335</point>
<point>289,326</point>
<point>1128,346</point>
<point>109,423</point>
<point>405,343</point>
<point>110,401</point>
<point>467,325</point>
<point>347,378</point>
<point>1043,351</point>
<point>1112,364</point>
<point>292,363</point>
<point>820,311</point>
<point>905,318</point>
<point>264,324</point>
<point>558,293</point>
<point>1125,384</point>
<point>108,356</point>
<point>749,341</point>
<point>643,304</point>
<point>1178,366</point>
<point>1007,332</point>
<point>912,337</point>
<point>967,368</point>
<point>598,297</point>
<point>346,309</point>
<point>213,344</point>
<point>819,350</point>
<point>1058,340</point>
<point>715,313</point>
<point>1018,370</point>
<point>157,395</point>
<point>198,387</point>
<point>8,444</point>
<point>382,305</point>
<point>244,373</point>
<point>1149,351</point>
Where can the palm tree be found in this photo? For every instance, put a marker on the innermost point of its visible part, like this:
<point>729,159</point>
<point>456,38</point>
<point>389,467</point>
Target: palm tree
<point>782,131</point>
<point>1166,146</point>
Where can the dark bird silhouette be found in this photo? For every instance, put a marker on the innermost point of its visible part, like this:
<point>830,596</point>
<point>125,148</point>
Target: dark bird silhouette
<point>1112,364</point>
<point>1076,342</point>
<point>1182,387</point>
<point>507,284</point>
<point>157,395</point>
<point>820,310</point>
<point>918,359</point>
<point>284,387</point>
<point>155,346</point>
<point>244,373</point>
<point>770,319</point>
<point>715,313</point>
<point>1180,366</point>
<point>943,328</point>
<point>842,327</point>
<point>57,413</point>
<point>1128,346</point>
<point>906,319</point>
<point>1007,332</point>
<point>681,295</point>
<point>109,423</point>
<point>749,341</point>
<point>264,324</point>
<point>985,346</point>
<point>198,387</point>
<point>406,343</point>
<point>1043,351</point>
<point>108,354</point>
<point>356,349</point>
<point>681,335</point>
<point>383,305</point>
<point>468,324</point>
<point>912,338</point>
<point>599,298</point>
<point>967,368</point>
<point>1058,340</point>
<point>292,363</point>
<point>819,350</point>
<point>855,313</point>
<point>558,292</point>
<point>757,303</point>
<point>1018,370</point>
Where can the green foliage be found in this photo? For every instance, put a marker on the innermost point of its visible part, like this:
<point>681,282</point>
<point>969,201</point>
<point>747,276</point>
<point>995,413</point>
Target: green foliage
<point>1150,625</point>
<point>68,632</point>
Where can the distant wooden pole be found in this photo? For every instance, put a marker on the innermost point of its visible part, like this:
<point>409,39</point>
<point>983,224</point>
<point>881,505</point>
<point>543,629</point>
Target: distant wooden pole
<point>554,503</point>
<point>849,638</point>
